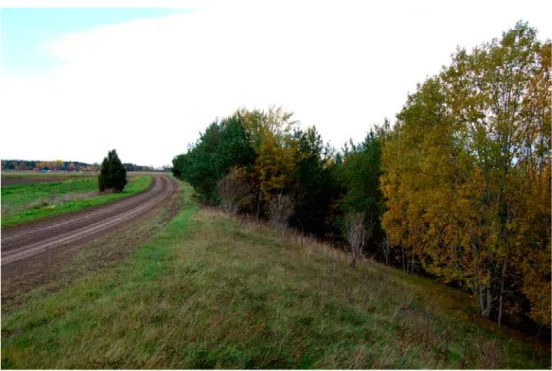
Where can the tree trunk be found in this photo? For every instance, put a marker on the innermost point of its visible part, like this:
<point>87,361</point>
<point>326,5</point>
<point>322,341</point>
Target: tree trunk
<point>484,301</point>
<point>501,299</point>
<point>481,299</point>
<point>353,261</point>
<point>487,311</point>
<point>500,305</point>
<point>258,205</point>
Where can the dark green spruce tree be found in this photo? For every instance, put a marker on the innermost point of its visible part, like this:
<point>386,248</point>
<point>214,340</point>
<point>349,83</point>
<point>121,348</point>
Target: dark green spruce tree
<point>113,173</point>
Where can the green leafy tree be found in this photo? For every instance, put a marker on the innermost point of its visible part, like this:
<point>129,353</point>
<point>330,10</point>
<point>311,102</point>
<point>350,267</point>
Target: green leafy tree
<point>360,174</point>
<point>271,137</point>
<point>313,184</point>
<point>223,145</point>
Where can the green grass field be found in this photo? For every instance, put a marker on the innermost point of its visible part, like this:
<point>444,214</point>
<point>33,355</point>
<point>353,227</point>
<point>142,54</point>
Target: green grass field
<point>24,203</point>
<point>210,291</point>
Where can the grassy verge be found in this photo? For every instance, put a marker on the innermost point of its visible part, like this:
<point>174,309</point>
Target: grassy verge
<point>210,291</point>
<point>30,202</point>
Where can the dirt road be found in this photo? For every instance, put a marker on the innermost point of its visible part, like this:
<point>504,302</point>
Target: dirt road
<point>25,241</point>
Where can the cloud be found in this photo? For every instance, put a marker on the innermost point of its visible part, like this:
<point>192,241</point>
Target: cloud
<point>147,87</point>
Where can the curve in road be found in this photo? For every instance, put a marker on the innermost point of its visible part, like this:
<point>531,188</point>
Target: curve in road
<point>29,240</point>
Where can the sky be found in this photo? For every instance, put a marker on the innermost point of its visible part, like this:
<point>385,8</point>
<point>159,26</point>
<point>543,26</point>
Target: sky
<point>75,83</point>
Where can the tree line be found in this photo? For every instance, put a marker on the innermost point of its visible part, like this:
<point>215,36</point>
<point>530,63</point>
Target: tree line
<point>45,165</point>
<point>134,167</point>
<point>457,188</point>
<point>59,165</point>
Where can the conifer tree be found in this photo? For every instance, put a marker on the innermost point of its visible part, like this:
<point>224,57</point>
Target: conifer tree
<point>112,174</point>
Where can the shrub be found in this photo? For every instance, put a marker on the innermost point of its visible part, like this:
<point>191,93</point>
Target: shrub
<point>234,192</point>
<point>280,210</point>
<point>355,235</point>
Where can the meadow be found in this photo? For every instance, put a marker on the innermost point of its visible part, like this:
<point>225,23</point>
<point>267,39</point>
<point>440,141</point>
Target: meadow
<point>215,291</point>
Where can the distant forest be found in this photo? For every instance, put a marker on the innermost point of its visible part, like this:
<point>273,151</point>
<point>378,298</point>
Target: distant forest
<point>60,165</point>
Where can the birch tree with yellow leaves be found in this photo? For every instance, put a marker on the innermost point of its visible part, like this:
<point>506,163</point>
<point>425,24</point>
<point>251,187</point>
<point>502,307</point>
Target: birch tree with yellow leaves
<point>467,173</point>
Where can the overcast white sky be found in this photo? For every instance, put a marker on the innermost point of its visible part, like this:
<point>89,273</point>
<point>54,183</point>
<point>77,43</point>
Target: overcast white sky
<point>148,85</point>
